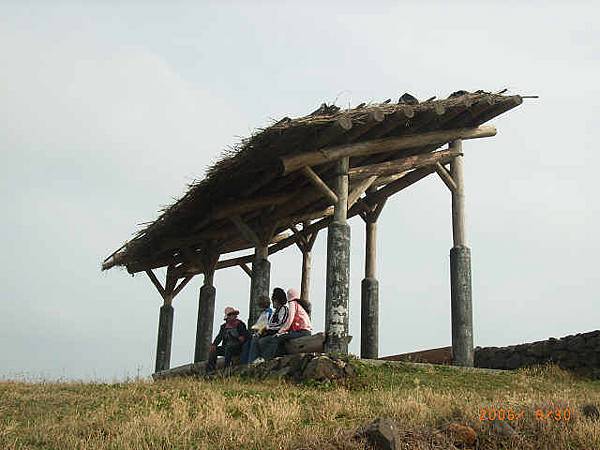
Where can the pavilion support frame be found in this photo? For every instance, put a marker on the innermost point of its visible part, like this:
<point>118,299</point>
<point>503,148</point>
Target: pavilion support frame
<point>165,337</point>
<point>369,292</point>
<point>345,204</point>
<point>338,267</point>
<point>206,308</point>
<point>305,243</point>
<point>460,269</point>
<point>165,319</point>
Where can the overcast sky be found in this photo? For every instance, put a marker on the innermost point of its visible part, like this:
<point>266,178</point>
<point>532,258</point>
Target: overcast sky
<point>108,110</point>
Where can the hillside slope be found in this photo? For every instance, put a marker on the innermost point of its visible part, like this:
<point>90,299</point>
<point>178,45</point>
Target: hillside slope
<point>248,414</point>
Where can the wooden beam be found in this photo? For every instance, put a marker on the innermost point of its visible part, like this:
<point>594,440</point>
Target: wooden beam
<point>445,176</point>
<point>403,164</point>
<point>240,207</point>
<point>301,241</point>
<point>156,283</point>
<point>246,269</point>
<point>312,158</point>
<point>335,131</point>
<point>182,284</point>
<point>310,238</point>
<point>319,184</point>
<point>246,231</point>
<point>377,210</point>
<point>398,185</point>
<point>360,189</point>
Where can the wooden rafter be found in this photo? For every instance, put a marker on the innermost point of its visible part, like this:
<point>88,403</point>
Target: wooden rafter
<point>314,158</point>
<point>403,164</point>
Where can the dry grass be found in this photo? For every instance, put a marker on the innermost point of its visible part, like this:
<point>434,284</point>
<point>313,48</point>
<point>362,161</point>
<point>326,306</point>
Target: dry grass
<point>245,414</point>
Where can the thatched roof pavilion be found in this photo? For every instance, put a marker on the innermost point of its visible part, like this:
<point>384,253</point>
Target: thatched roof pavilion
<point>312,171</point>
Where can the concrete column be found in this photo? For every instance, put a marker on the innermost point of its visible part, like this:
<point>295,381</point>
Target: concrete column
<point>460,270</point>
<point>260,282</point>
<point>338,268</point>
<point>369,306</point>
<point>461,306</point>
<point>165,333</point>
<point>206,316</point>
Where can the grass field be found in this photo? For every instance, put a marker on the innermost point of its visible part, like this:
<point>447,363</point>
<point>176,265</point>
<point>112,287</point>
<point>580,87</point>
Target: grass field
<point>247,414</point>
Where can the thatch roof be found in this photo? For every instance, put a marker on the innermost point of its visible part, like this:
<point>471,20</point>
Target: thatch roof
<point>251,181</point>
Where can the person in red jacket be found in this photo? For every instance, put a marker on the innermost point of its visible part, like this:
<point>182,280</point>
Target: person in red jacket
<point>297,324</point>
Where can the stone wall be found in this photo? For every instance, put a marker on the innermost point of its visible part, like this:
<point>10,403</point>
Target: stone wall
<point>578,353</point>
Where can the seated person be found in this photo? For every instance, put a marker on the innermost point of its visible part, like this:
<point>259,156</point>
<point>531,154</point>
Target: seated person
<point>298,321</point>
<point>258,329</point>
<point>296,324</point>
<point>266,346</point>
<point>232,335</point>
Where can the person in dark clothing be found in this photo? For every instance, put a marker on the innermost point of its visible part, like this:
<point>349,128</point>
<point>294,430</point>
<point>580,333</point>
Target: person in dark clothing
<point>232,335</point>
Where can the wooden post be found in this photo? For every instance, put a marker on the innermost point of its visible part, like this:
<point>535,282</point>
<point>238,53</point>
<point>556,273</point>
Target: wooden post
<point>165,334</point>
<point>165,319</point>
<point>338,267</point>
<point>305,281</point>
<point>305,245</point>
<point>206,310</point>
<point>369,301</point>
<point>460,270</point>
<point>259,284</point>
<point>306,249</point>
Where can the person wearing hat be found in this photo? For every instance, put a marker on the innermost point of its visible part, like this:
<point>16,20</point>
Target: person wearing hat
<point>232,335</point>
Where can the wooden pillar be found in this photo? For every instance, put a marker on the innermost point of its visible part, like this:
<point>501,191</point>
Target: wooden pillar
<point>460,270</point>
<point>206,315</point>
<point>305,281</point>
<point>305,244</point>
<point>369,293</point>
<point>165,334</point>
<point>165,320</point>
<point>260,281</point>
<point>338,267</point>
<point>369,301</point>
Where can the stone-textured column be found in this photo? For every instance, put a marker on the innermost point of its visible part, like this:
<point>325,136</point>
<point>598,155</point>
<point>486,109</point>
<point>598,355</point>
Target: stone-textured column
<point>460,271</point>
<point>165,333</point>
<point>338,268</point>
<point>369,306</point>
<point>260,282</point>
<point>206,316</point>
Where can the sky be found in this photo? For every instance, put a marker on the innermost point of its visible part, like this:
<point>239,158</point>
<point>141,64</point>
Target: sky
<point>109,109</point>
